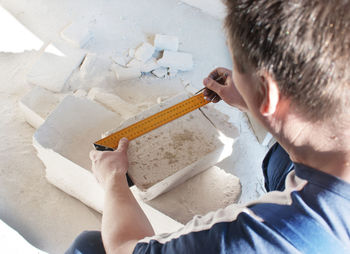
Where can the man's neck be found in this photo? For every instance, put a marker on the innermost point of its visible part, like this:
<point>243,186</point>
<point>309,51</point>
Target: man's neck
<point>322,146</point>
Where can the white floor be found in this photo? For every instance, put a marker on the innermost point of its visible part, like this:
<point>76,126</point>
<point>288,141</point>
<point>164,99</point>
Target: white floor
<point>45,216</point>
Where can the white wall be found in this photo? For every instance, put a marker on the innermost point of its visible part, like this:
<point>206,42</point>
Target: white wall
<point>215,8</point>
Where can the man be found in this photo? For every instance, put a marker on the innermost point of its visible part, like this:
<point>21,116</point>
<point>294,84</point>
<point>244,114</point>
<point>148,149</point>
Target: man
<point>291,72</point>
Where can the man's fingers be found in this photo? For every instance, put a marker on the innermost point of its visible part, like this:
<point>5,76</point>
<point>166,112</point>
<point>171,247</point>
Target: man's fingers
<point>123,145</point>
<point>94,155</point>
<point>213,85</point>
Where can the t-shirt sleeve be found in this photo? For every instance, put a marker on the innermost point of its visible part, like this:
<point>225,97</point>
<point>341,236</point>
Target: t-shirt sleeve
<point>233,229</point>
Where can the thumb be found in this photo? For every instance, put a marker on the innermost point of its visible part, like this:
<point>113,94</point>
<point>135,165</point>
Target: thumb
<point>123,145</point>
<point>212,85</point>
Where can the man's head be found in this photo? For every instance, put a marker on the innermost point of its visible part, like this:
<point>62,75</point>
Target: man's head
<point>303,45</point>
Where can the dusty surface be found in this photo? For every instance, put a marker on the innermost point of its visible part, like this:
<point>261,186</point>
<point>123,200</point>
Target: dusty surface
<point>182,203</point>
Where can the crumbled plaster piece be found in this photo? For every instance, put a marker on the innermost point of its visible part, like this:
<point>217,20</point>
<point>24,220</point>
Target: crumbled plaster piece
<point>134,63</point>
<point>174,152</point>
<point>80,93</point>
<point>52,72</point>
<point>63,143</point>
<point>126,73</point>
<point>160,72</point>
<point>131,52</point>
<point>119,60</point>
<point>150,65</point>
<point>186,200</point>
<point>113,102</point>
<point>215,8</point>
<point>176,60</point>
<point>93,65</point>
<point>162,99</point>
<point>166,42</point>
<point>172,72</point>
<point>144,52</point>
<point>38,104</point>
<point>77,34</point>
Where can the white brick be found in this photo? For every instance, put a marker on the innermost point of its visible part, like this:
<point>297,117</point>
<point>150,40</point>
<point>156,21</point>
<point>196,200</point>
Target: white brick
<point>176,60</point>
<point>52,72</point>
<point>166,42</point>
<point>77,34</point>
<point>173,153</point>
<point>113,102</point>
<point>144,52</point>
<point>38,104</point>
<point>126,73</point>
<point>63,143</point>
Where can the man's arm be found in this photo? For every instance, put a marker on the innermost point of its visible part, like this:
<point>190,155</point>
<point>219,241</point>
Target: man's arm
<point>123,221</point>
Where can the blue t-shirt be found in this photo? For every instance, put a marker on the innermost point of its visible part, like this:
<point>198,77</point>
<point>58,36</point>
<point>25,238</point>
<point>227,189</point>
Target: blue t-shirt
<point>312,215</point>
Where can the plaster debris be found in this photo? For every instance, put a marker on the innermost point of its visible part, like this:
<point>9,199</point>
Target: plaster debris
<point>150,65</point>
<point>160,72</point>
<point>176,60</point>
<point>93,65</point>
<point>126,73</point>
<point>134,63</point>
<point>52,72</point>
<point>63,143</point>
<point>113,102</point>
<point>173,153</point>
<point>80,93</point>
<point>166,42</point>
<point>184,201</point>
<point>38,104</point>
<point>131,52</point>
<point>77,34</point>
<point>144,52</point>
<point>172,72</point>
<point>119,60</point>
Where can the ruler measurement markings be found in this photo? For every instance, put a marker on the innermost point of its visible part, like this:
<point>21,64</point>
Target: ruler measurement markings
<point>154,121</point>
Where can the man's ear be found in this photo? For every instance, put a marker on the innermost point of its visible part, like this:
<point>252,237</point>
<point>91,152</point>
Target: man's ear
<point>270,94</point>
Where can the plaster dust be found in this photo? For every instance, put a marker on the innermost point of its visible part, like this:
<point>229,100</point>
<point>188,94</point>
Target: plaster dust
<point>28,203</point>
<point>183,202</point>
<point>45,216</point>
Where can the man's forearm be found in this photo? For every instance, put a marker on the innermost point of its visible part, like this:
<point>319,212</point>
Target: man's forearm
<point>123,221</point>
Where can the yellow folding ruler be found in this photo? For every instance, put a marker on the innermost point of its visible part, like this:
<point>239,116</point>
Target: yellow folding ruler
<point>148,124</point>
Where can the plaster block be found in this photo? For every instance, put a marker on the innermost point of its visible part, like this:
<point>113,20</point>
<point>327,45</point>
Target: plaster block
<point>144,52</point>
<point>176,60</point>
<point>119,60</point>
<point>160,72</point>
<point>113,102</point>
<point>174,152</point>
<point>150,65</point>
<point>52,72</point>
<point>126,73</point>
<point>185,201</point>
<point>77,34</point>
<point>38,104</point>
<point>166,42</point>
<point>63,143</point>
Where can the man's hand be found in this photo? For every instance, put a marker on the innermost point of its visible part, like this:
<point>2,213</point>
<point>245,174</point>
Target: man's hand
<point>106,165</point>
<point>219,85</point>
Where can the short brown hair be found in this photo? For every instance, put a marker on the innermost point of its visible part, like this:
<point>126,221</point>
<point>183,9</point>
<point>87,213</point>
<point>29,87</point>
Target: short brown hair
<point>304,44</point>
